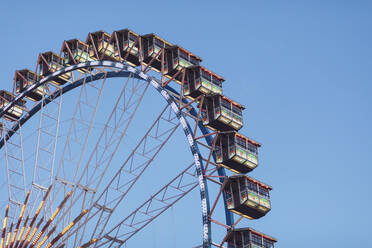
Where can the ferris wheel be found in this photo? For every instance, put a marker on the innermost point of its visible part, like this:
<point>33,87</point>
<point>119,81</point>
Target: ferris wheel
<point>109,137</point>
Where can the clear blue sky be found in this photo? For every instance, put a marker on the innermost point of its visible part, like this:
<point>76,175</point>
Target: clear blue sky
<point>302,69</point>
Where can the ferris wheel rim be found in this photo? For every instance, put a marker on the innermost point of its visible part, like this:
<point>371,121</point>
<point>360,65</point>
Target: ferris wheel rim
<point>125,71</point>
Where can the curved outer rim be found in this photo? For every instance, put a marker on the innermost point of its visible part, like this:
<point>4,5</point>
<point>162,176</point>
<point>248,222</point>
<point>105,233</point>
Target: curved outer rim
<point>221,171</point>
<point>125,71</point>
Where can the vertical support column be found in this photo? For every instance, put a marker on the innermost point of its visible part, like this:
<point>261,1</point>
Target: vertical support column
<point>76,142</point>
<point>15,170</point>
<point>46,146</point>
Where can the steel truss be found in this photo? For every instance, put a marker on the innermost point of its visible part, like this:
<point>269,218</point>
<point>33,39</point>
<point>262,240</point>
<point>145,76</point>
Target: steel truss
<point>158,203</point>
<point>78,136</point>
<point>207,140</point>
<point>49,122</point>
<point>131,170</point>
<point>15,168</point>
<point>85,183</point>
<point>87,178</point>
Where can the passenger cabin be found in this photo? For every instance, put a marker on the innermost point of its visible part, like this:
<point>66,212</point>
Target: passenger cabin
<point>199,80</point>
<point>129,44</point>
<point>152,44</point>
<point>220,113</point>
<point>15,112</point>
<point>26,78</point>
<point>101,46</point>
<point>75,51</point>
<point>50,62</point>
<point>247,197</point>
<point>179,58</point>
<point>236,152</point>
<point>249,238</point>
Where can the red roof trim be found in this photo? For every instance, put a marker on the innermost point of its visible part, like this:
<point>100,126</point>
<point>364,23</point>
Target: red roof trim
<point>78,41</point>
<point>248,139</point>
<point>101,32</point>
<point>157,37</point>
<point>262,235</point>
<point>258,182</point>
<point>233,102</point>
<point>189,53</point>
<point>212,73</point>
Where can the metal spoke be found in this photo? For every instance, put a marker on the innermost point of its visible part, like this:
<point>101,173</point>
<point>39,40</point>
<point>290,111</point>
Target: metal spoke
<point>134,166</point>
<point>166,197</point>
<point>46,147</point>
<point>131,170</point>
<point>78,136</point>
<point>108,143</point>
<point>79,130</point>
<point>83,173</point>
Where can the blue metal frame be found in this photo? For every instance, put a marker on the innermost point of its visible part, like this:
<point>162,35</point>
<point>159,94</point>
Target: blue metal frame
<point>126,71</point>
